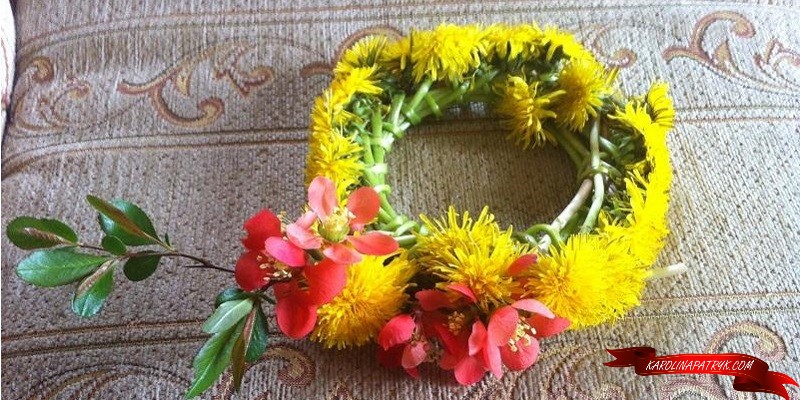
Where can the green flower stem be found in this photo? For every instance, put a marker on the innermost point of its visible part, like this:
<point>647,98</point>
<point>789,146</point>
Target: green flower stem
<point>571,152</point>
<point>406,241</point>
<point>609,147</point>
<point>410,109</point>
<point>576,144</point>
<point>574,205</point>
<point>394,111</point>
<point>599,181</point>
<point>553,234</point>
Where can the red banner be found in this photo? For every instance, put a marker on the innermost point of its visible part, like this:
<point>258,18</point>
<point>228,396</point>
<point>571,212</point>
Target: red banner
<point>751,374</point>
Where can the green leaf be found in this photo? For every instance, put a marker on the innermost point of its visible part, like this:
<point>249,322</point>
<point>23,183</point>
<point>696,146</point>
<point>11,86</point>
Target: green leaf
<point>140,268</point>
<point>36,233</point>
<point>230,294</point>
<point>124,220</point>
<point>240,348</point>
<point>113,245</point>
<point>212,359</point>
<point>94,290</point>
<point>57,267</point>
<point>258,340</point>
<point>227,315</point>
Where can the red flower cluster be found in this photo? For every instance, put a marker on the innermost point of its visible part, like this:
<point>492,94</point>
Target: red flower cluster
<point>278,256</point>
<point>445,325</point>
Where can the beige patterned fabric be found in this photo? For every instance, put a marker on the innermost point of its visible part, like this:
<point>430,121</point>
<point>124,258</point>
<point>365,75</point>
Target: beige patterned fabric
<point>198,110</point>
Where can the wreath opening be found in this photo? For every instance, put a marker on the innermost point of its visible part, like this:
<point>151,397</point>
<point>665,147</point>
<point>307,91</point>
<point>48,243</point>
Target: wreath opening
<point>463,291</point>
<point>464,160</point>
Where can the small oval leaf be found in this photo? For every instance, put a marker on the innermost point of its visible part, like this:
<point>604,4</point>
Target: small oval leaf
<point>227,315</point>
<point>94,290</point>
<point>113,245</point>
<point>124,220</point>
<point>36,233</point>
<point>140,268</point>
<point>228,295</point>
<point>57,267</point>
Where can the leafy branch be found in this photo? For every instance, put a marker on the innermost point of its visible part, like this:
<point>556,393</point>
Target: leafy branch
<point>59,258</point>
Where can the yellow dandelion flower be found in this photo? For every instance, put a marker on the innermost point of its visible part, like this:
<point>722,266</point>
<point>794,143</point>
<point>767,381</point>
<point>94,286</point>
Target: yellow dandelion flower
<point>645,227</point>
<point>447,52</point>
<point>455,230</point>
<point>396,55</point>
<point>330,153</point>
<point>585,83</point>
<point>661,104</point>
<point>473,253</point>
<point>556,39</point>
<point>358,80</point>
<point>524,109</point>
<point>510,42</point>
<point>336,157</point>
<point>633,115</point>
<point>364,53</point>
<point>374,293</point>
<point>590,280</point>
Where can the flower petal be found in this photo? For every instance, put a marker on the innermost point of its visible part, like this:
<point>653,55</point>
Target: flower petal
<point>432,300</point>
<point>285,252</point>
<point>469,370</point>
<point>493,361</point>
<point>521,264</point>
<point>414,354</point>
<point>478,337</point>
<point>296,319</point>
<point>398,330</point>
<point>249,274</point>
<point>307,219</point>
<point>342,254</point>
<point>364,203</point>
<point>502,325</point>
<point>302,237</point>
<point>325,281</point>
<point>465,290</point>
<point>392,357</point>
<point>374,243</point>
<point>533,306</point>
<point>322,196</point>
<point>548,326</point>
<point>523,358</point>
<point>259,227</point>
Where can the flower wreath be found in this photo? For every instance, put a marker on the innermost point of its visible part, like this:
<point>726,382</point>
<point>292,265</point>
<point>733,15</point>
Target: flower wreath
<point>459,291</point>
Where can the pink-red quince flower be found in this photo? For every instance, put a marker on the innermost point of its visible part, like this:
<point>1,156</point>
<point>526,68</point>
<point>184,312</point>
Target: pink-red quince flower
<point>340,231</point>
<point>401,345</point>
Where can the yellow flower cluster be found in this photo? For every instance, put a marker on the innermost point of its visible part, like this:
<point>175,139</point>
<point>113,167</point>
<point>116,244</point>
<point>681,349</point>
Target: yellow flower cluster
<point>590,280</point>
<point>475,253</point>
<point>543,84</point>
<point>451,53</point>
<point>332,153</point>
<point>374,293</point>
<point>524,110</point>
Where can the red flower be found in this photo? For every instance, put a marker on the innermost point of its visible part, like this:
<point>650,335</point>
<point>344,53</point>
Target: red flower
<point>337,225</point>
<point>268,252</point>
<point>511,339</point>
<point>401,345</point>
<point>300,287</point>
